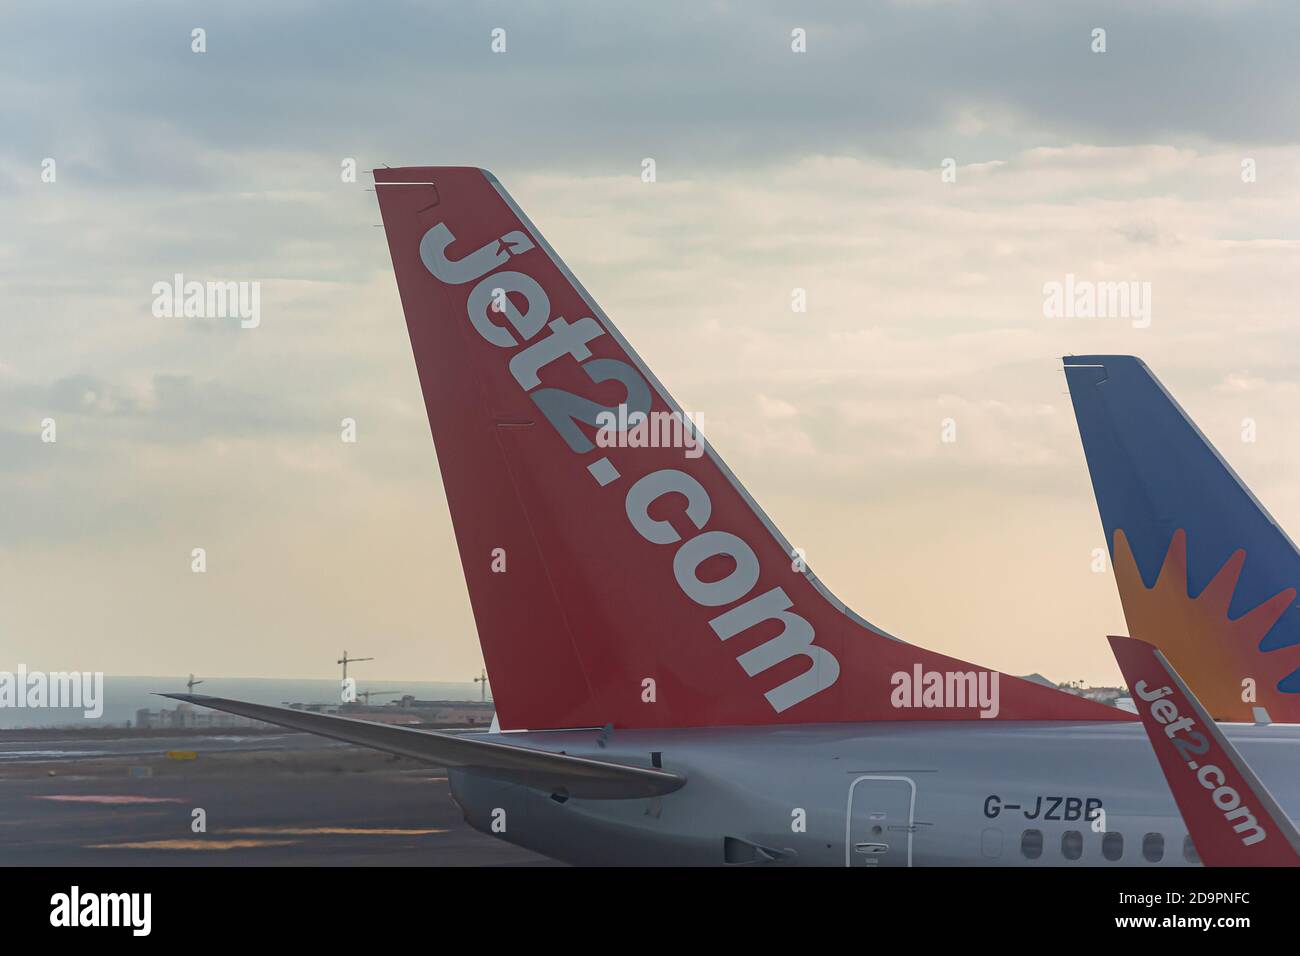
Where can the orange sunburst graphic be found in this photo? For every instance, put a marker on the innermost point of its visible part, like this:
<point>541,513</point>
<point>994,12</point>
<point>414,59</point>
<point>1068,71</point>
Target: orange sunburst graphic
<point>1211,652</point>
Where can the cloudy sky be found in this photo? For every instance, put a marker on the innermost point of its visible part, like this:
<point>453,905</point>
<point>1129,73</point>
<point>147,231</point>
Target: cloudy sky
<point>776,170</point>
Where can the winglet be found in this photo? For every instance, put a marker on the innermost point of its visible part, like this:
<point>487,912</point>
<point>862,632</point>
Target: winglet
<point>1232,818</point>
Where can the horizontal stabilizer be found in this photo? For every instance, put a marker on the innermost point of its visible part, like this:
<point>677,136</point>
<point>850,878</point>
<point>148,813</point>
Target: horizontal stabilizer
<point>545,770</point>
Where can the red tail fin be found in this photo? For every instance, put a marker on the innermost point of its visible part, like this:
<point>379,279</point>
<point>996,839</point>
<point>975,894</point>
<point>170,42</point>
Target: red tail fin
<point>638,586</point>
<point>1232,818</point>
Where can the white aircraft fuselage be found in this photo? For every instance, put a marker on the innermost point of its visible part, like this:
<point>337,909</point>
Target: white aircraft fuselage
<point>897,794</point>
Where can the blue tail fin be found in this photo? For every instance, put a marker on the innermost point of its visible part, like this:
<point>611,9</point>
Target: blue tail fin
<point>1189,541</point>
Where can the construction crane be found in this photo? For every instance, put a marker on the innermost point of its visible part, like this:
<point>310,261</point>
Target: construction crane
<point>191,684</point>
<point>345,661</point>
<point>481,680</point>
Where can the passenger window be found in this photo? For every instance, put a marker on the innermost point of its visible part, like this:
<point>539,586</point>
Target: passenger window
<point>1153,847</point>
<point>1189,850</point>
<point>1071,844</point>
<point>1031,844</point>
<point>1112,846</point>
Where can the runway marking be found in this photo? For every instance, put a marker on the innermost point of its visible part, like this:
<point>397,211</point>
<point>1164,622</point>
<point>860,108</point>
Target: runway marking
<point>103,798</point>
<point>335,831</point>
<point>192,844</point>
<point>239,843</point>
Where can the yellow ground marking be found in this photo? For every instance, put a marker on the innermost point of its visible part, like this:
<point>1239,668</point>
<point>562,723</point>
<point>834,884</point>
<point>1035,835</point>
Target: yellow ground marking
<point>192,844</point>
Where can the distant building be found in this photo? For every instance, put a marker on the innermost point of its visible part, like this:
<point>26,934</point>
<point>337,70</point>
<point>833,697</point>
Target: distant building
<point>410,710</point>
<point>185,716</point>
<point>1103,695</point>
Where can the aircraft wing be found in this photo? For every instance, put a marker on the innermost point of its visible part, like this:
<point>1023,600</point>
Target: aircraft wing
<point>580,777</point>
<point>1233,819</point>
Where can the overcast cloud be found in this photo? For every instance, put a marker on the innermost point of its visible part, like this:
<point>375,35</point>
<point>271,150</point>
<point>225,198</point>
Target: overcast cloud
<point>775,170</point>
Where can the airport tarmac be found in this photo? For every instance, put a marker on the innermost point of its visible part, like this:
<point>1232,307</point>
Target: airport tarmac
<point>295,801</point>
